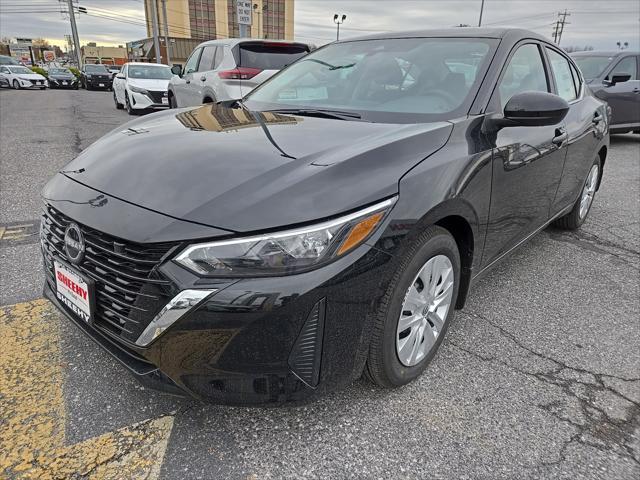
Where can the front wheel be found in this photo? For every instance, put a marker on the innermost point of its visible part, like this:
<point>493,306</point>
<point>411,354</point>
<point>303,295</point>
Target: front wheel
<point>127,104</point>
<point>115,100</point>
<point>16,85</point>
<point>578,214</point>
<point>416,310</point>
<point>172,101</point>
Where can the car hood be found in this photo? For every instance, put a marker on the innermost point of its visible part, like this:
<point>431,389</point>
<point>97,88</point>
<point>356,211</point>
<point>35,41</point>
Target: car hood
<point>148,83</point>
<point>62,76</point>
<point>30,76</point>
<point>241,171</point>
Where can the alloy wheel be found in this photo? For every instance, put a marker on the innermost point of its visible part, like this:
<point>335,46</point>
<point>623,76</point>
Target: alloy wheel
<point>588,191</point>
<point>16,85</point>
<point>424,310</point>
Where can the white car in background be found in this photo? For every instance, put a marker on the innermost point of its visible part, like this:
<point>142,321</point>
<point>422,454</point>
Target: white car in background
<point>18,77</point>
<point>229,69</point>
<point>141,86</point>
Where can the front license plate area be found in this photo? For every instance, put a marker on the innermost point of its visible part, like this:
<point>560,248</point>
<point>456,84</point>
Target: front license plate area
<point>74,291</point>
<point>101,84</point>
<point>165,101</point>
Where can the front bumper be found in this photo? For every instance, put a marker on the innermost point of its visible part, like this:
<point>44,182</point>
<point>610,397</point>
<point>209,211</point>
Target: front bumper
<point>63,83</point>
<point>96,82</point>
<point>32,84</point>
<point>140,101</point>
<point>242,345</point>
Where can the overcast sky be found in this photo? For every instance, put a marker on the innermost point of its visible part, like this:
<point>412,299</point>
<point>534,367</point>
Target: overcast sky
<point>599,23</point>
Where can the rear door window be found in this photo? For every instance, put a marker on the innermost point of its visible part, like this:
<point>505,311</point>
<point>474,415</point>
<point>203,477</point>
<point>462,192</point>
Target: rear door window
<point>269,56</point>
<point>562,74</point>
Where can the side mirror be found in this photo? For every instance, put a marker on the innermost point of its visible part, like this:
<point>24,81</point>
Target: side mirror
<point>532,109</point>
<point>176,70</point>
<point>616,79</point>
<point>120,75</point>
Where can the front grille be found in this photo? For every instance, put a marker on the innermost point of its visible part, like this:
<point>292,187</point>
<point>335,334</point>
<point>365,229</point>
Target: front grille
<point>129,291</point>
<point>157,96</point>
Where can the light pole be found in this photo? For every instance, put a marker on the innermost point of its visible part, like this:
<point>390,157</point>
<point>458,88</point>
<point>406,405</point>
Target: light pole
<point>338,21</point>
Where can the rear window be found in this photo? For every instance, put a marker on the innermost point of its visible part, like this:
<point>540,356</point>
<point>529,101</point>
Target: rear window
<point>269,56</point>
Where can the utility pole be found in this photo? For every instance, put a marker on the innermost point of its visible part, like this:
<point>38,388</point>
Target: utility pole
<point>338,21</point>
<point>156,41</point>
<point>167,46</point>
<point>481,9</point>
<point>74,32</point>
<point>559,26</point>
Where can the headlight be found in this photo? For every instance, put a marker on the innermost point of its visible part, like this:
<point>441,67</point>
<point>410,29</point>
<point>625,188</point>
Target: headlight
<point>88,75</point>
<point>143,91</point>
<point>288,252</point>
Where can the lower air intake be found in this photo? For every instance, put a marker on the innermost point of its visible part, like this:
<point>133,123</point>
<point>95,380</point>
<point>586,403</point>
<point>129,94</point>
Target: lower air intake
<point>307,352</point>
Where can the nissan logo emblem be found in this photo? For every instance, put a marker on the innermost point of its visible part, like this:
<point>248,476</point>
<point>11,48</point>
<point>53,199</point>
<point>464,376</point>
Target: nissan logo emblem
<point>74,243</point>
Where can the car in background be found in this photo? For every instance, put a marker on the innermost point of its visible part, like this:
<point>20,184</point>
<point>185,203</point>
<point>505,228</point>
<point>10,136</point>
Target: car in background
<point>95,76</point>
<point>114,69</point>
<point>60,77</point>
<point>19,77</point>
<point>229,69</point>
<point>615,78</point>
<point>6,60</point>
<point>142,86</point>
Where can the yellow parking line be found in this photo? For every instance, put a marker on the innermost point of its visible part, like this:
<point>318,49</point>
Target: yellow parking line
<point>32,412</point>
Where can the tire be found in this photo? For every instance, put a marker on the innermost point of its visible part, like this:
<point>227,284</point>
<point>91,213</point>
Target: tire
<point>127,104</point>
<point>119,106</point>
<point>16,85</point>
<point>172,102</point>
<point>384,366</point>
<point>576,217</point>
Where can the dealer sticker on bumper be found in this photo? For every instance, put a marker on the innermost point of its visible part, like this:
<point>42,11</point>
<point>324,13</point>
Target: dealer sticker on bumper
<point>73,291</point>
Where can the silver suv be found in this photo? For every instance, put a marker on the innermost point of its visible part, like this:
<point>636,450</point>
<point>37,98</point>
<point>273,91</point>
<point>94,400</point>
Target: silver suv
<point>229,69</point>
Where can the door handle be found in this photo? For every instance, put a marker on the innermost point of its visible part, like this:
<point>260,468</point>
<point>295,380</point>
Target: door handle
<point>636,90</point>
<point>561,137</point>
<point>597,118</point>
<point>203,78</point>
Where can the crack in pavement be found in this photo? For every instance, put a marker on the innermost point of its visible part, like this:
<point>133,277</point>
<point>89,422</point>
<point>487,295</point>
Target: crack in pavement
<point>594,243</point>
<point>597,428</point>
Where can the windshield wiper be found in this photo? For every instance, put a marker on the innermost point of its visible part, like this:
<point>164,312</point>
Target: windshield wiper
<point>326,113</point>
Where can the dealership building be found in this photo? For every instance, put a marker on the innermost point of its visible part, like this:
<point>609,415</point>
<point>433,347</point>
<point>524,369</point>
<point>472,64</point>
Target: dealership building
<point>211,19</point>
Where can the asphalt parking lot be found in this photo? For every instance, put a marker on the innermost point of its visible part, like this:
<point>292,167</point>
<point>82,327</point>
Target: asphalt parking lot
<point>539,376</point>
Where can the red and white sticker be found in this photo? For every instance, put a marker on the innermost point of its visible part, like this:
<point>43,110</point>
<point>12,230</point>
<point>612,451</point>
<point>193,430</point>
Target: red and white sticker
<point>73,291</point>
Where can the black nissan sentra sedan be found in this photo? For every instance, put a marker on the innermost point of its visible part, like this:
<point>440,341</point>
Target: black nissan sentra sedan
<point>327,225</point>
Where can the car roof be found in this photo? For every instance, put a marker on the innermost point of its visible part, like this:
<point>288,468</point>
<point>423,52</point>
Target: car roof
<point>146,63</point>
<point>602,53</point>
<point>456,32</point>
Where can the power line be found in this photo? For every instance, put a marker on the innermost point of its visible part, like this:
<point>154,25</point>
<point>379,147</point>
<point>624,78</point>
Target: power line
<point>559,26</point>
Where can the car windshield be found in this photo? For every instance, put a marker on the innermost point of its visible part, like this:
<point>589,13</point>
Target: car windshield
<point>22,70</point>
<point>392,80</point>
<point>59,71</point>
<point>592,66</point>
<point>114,67</point>
<point>95,69</point>
<point>155,72</point>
